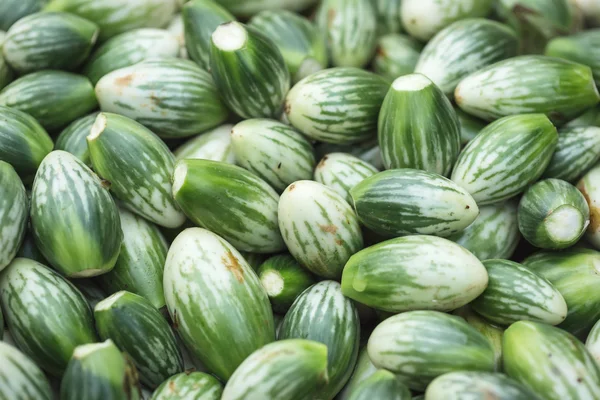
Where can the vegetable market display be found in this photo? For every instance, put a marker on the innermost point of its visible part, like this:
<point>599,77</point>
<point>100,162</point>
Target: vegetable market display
<point>299,199</point>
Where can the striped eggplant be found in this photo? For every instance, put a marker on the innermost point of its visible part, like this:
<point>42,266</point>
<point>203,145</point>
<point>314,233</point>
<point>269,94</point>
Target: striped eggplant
<point>72,139</point>
<point>422,19</point>
<point>150,93</point>
<point>274,151</point>
<point>189,385</point>
<point>350,31</point>
<point>214,144</point>
<point>342,171</point>
<point>299,41</point>
<point>292,369</point>
<point>577,150</point>
<point>21,379</point>
<point>553,214</point>
<point>417,272</point>
<point>550,361</point>
<point>389,18</point>
<point>505,157</point>
<point>527,84</point>
<point>216,301</point>
<point>99,371</point>
<point>493,234</point>
<point>229,201</point>
<point>13,10</point>
<point>46,315</point>
<point>469,126</point>
<point>249,71</point>
<point>589,118</point>
<point>592,343</point>
<point>49,40</point>
<point>396,55</point>
<point>92,292</point>
<point>463,48</point>
<point>123,151</point>
<point>492,332</point>
<point>74,219</point>
<point>337,105</point>
<point>14,212</point>
<point>319,228</point>
<point>118,16</point>
<point>140,330</point>
<point>284,279</point>
<point>477,385</point>
<point>200,19</point>
<point>129,48</point>
<point>367,151</point>
<point>418,127</point>
<point>419,346</point>
<point>177,29</point>
<point>381,385</point>
<point>575,273</point>
<point>581,48</point>
<point>139,268</point>
<point>516,293</point>
<point>364,369</point>
<point>589,186</point>
<point>407,201</point>
<point>322,313</point>
<point>248,8</point>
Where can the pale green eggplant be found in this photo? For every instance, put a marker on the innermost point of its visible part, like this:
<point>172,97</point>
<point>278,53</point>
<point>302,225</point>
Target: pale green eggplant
<point>577,150</point>
<point>583,48</point>
<point>14,211</point>
<point>381,385</point>
<point>389,18</point>
<point>13,10</point>
<point>477,385</point>
<point>592,343</point>
<point>492,332</point>
<point>214,144</point>
<point>396,55</point>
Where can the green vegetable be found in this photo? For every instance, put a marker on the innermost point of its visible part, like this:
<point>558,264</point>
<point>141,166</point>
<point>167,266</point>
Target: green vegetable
<point>389,18</point>
<point>72,139</point>
<point>577,150</point>
<point>396,55</point>
<point>363,370</point>
<point>21,379</point>
<point>13,10</point>
<point>195,385</point>
<point>381,385</point>
<point>14,210</point>
<point>590,188</point>
<point>214,144</point>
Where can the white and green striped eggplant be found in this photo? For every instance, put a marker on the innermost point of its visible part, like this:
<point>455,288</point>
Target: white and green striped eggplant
<point>229,201</point>
<point>138,166</point>
<point>553,214</point>
<point>422,19</point>
<point>189,385</point>
<point>465,47</point>
<point>342,171</point>
<point>72,139</point>
<point>364,369</point>
<point>417,272</point>
<point>214,145</point>
<point>469,126</point>
<point>350,31</point>
<point>53,98</point>
<point>408,201</point>
<point>322,313</point>
<point>516,293</point>
<point>589,186</point>
<point>140,330</point>
<point>592,343</point>
<point>139,268</point>
<point>247,8</point>
<point>493,234</point>
<point>14,212</point>
<point>389,18</point>
<point>118,16</point>
<point>550,361</point>
<point>249,71</point>
<point>396,55</point>
<point>128,49</point>
<point>527,84</point>
<point>74,219</point>
<point>292,369</point>
<point>367,151</point>
<point>299,41</point>
<point>49,40</point>
<point>574,272</point>
<point>419,346</point>
<point>505,157</point>
<point>200,19</point>
<point>462,385</point>
<point>13,10</point>
<point>418,127</point>
<point>583,48</point>
<point>21,379</point>
<point>99,371</point>
<point>381,385</point>
<point>577,150</point>
<point>46,315</point>
<point>319,227</point>
<point>150,93</point>
<point>337,105</point>
<point>216,301</point>
<point>492,332</point>
<point>177,29</point>
<point>274,151</point>
<point>284,279</point>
